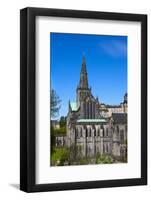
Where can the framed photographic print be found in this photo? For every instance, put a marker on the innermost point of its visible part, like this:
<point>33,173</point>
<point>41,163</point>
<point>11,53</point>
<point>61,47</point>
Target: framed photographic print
<point>83,99</point>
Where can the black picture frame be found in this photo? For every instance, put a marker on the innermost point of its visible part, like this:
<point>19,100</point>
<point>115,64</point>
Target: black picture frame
<point>28,99</point>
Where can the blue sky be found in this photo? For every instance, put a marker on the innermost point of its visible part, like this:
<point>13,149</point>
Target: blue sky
<point>106,62</point>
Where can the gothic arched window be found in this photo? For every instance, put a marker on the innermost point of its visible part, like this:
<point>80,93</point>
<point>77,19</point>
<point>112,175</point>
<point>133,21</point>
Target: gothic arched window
<point>76,132</point>
<point>103,131</point>
<point>107,132</point>
<point>94,132</point>
<point>91,110</point>
<point>86,132</point>
<point>84,105</point>
<point>122,136</point>
<point>89,132</point>
<point>98,132</point>
<point>81,132</point>
<point>117,132</point>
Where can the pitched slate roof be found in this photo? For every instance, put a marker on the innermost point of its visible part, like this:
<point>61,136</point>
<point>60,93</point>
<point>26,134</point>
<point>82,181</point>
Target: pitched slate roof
<point>119,118</point>
<point>91,120</point>
<point>113,106</point>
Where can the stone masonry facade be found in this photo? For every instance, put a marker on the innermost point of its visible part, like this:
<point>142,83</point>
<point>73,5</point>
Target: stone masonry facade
<point>93,127</point>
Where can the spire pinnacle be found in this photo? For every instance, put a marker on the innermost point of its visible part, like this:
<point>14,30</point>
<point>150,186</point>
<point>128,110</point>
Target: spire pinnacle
<point>83,69</point>
<point>83,58</point>
<point>69,105</point>
<point>83,75</point>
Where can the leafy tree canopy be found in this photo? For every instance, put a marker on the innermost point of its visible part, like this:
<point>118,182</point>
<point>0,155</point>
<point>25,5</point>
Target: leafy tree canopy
<point>62,121</point>
<point>54,104</point>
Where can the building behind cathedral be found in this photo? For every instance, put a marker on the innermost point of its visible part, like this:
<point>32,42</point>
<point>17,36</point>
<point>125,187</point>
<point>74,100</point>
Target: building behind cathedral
<point>93,127</point>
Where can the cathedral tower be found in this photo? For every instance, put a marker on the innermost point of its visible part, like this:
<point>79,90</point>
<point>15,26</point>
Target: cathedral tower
<point>83,89</point>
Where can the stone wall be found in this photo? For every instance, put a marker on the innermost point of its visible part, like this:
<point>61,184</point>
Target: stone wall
<point>93,139</point>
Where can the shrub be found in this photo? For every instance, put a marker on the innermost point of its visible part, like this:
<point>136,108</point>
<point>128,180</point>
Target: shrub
<point>104,159</point>
<point>59,156</point>
<point>58,131</point>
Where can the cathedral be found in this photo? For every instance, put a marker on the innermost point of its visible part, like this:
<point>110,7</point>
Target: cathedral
<point>93,127</point>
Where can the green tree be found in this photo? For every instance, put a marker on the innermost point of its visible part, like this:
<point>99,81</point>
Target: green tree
<point>54,104</point>
<point>62,121</point>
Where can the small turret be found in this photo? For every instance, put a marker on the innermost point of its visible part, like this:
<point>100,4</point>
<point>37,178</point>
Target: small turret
<point>69,106</point>
<point>125,98</point>
<point>97,99</point>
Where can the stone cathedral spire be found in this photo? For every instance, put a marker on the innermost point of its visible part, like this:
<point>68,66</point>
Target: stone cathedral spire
<point>83,87</point>
<point>83,84</point>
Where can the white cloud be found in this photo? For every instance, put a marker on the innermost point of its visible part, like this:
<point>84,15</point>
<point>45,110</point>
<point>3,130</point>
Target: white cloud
<point>114,48</point>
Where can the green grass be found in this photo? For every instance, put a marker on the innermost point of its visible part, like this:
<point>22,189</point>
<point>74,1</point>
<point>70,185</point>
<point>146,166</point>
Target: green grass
<point>59,156</point>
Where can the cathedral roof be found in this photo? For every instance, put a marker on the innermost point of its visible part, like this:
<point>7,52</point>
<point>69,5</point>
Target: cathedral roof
<point>119,118</point>
<point>91,120</point>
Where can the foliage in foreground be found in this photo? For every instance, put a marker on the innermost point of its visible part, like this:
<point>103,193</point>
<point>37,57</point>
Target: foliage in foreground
<point>104,159</point>
<point>62,156</point>
<point>59,156</point>
<point>58,131</point>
